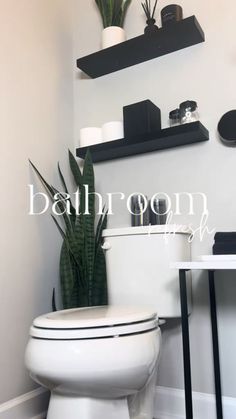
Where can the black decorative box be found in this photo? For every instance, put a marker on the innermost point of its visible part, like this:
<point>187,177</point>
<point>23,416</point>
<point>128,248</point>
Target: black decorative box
<point>140,119</point>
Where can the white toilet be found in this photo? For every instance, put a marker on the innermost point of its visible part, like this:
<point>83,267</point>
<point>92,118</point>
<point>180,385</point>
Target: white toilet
<point>101,362</point>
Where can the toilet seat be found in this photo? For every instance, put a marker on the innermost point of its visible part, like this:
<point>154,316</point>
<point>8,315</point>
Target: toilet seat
<point>94,323</point>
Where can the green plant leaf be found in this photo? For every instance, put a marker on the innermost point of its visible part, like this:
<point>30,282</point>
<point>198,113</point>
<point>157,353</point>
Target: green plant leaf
<point>88,222</point>
<point>72,209</point>
<point>117,12</point>
<point>102,225</point>
<point>46,185</point>
<point>125,5</point>
<point>75,170</point>
<point>60,203</point>
<point>54,307</point>
<point>108,7</point>
<point>62,178</point>
<point>72,294</point>
<point>67,274</point>
<point>100,295</point>
<point>101,9</point>
<point>51,191</point>
<point>113,12</point>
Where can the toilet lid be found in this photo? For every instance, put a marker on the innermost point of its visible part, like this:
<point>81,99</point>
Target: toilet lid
<point>94,322</point>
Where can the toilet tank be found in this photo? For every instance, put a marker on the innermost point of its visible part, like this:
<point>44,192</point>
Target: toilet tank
<point>138,267</point>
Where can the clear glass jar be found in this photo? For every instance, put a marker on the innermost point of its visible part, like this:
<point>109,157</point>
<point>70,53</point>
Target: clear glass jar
<point>189,112</point>
<point>174,118</point>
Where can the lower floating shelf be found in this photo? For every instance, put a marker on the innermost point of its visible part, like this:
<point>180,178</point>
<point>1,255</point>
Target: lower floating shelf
<point>167,138</point>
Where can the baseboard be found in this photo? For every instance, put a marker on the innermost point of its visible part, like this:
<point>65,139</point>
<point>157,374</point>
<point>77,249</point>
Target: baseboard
<point>31,405</point>
<point>169,404</point>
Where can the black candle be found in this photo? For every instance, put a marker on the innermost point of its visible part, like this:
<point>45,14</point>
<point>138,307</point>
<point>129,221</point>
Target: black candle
<point>171,13</point>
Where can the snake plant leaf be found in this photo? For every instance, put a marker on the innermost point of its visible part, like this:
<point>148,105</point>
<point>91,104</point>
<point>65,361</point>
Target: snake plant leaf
<point>72,209</point>
<point>88,179</point>
<point>73,295</point>
<point>54,307</point>
<point>113,11</point>
<point>125,5</point>
<point>62,178</point>
<point>67,270</point>
<point>46,185</point>
<point>88,223</point>
<point>51,191</point>
<point>79,244</point>
<point>71,247</point>
<point>108,6</point>
<point>78,233</point>
<point>100,295</point>
<point>69,241</point>
<point>102,11</point>
<point>102,225</point>
<point>60,203</point>
<point>75,170</point>
<point>117,11</point>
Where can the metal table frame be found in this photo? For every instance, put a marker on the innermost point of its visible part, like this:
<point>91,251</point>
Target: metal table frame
<point>186,343</point>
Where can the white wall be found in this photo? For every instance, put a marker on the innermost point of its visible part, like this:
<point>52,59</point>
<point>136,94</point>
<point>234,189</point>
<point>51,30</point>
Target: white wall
<point>206,73</point>
<point>36,109</point>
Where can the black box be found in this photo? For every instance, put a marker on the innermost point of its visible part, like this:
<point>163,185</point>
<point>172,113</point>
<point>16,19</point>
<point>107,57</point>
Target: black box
<point>140,119</point>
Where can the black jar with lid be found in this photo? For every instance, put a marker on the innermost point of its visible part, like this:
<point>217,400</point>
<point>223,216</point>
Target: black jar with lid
<point>189,112</point>
<point>170,14</point>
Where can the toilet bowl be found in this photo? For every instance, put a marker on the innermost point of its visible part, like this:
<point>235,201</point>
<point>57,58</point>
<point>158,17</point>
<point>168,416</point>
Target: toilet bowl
<point>98,362</point>
<point>101,362</point>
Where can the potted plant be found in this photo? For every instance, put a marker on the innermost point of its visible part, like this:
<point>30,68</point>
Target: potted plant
<point>82,260</point>
<point>113,14</point>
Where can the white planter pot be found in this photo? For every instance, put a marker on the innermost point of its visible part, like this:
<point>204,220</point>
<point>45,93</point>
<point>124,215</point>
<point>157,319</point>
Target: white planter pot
<point>112,35</point>
<point>113,130</point>
<point>90,136</point>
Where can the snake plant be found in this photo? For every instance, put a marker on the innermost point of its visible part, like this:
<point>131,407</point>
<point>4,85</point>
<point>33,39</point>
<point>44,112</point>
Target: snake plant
<point>82,259</point>
<point>113,12</point>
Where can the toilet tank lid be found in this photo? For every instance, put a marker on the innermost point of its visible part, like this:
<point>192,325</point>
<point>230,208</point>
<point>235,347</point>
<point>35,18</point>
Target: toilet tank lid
<point>91,317</point>
<point>146,230</point>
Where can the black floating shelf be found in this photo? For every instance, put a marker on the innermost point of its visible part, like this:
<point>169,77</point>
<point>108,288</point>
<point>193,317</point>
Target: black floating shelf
<point>172,38</point>
<point>167,138</point>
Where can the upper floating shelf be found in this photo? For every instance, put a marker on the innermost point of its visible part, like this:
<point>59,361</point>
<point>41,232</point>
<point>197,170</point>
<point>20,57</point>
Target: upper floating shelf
<point>167,138</point>
<point>175,37</point>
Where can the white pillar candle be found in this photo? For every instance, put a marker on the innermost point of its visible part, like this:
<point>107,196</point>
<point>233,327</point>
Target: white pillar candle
<point>113,130</point>
<point>90,136</point>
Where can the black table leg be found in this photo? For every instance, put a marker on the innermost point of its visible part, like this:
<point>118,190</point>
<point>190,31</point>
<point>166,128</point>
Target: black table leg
<point>186,345</point>
<point>215,342</point>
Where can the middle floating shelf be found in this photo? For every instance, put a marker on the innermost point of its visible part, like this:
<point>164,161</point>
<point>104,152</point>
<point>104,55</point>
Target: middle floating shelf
<point>167,138</point>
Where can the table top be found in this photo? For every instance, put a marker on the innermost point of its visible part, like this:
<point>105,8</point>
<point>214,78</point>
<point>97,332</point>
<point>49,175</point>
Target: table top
<point>219,265</point>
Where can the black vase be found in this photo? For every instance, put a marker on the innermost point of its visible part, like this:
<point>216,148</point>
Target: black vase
<point>151,27</point>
